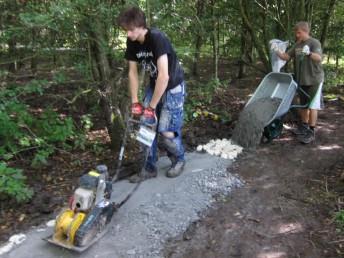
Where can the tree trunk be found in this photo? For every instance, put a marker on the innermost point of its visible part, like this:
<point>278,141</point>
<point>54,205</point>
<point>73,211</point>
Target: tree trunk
<point>215,53</point>
<point>107,83</point>
<point>258,45</point>
<point>148,14</point>
<point>326,22</point>
<point>11,20</point>
<point>215,42</point>
<point>264,15</point>
<point>33,61</point>
<point>198,37</point>
<point>289,19</point>
<point>243,51</point>
<point>309,11</point>
<point>302,10</point>
<point>242,66</point>
<point>12,53</point>
<point>197,55</point>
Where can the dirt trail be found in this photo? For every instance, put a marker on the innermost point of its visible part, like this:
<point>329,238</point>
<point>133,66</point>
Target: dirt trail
<point>284,210</point>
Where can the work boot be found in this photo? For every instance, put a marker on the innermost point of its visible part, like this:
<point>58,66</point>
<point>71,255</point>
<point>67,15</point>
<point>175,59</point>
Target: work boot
<point>143,175</point>
<point>176,169</point>
<point>306,138</point>
<point>301,129</point>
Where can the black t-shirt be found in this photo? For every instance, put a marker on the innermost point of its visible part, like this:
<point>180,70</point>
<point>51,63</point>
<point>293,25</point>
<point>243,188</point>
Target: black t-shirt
<point>155,45</point>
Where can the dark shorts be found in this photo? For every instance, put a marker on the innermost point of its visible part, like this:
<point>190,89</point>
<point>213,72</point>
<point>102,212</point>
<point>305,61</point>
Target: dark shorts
<point>311,91</point>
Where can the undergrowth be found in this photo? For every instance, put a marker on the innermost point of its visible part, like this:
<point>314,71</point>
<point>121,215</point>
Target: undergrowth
<point>33,133</point>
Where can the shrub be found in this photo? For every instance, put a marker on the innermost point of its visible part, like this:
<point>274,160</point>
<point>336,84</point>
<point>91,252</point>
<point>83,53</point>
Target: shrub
<point>12,183</point>
<point>37,133</point>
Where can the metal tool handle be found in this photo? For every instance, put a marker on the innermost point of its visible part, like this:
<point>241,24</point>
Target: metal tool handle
<point>129,121</point>
<point>122,149</point>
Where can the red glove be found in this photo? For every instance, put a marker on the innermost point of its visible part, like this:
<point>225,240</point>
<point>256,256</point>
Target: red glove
<point>136,109</point>
<point>149,112</point>
<point>149,116</point>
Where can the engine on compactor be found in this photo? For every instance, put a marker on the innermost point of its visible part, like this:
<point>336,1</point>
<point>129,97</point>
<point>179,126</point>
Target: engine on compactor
<point>90,210</point>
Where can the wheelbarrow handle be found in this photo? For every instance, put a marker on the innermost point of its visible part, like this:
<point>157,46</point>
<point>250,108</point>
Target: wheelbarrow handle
<point>304,93</point>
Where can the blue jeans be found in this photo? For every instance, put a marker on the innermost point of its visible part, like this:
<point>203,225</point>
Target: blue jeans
<point>170,113</point>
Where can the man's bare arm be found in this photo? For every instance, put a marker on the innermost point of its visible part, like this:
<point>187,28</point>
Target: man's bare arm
<point>283,56</point>
<point>133,81</point>
<point>315,57</point>
<point>161,82</point>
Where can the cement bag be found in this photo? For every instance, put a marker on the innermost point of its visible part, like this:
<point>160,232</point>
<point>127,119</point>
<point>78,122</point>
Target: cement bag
<point>276,62</point>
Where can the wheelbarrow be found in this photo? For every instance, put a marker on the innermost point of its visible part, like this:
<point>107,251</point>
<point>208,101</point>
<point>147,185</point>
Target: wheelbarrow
<point>282,86</point>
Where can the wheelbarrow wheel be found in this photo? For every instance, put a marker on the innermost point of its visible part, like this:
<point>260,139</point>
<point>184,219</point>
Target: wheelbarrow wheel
<point>273,130</point>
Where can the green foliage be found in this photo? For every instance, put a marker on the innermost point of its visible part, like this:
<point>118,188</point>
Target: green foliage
<point>83,69</point>
<point>59,77</point>
<point>199,100</point>
<point>21,129</point>
<point>37,133</point>
<point>333,76</point>
<point>339,216</point>
<point>12,183</point>
<point>86,121</point>
<point>97,148</point>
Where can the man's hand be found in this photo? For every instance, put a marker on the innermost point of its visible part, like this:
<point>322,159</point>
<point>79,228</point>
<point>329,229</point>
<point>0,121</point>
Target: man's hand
<point>284,56</point>
<point>136,109</point>
<point>306,51</point>
<point>274,47</point>
<point>149,116</point>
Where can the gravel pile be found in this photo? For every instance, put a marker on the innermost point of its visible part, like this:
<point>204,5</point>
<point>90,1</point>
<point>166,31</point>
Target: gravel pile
<point>252,120</point>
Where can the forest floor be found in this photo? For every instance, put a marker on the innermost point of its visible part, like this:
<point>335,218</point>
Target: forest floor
<point>285,209</point>
<point>287,206</point>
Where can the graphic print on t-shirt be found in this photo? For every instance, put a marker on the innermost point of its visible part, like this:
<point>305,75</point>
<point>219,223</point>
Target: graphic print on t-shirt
<point>146,60</point>
<point>298,51</point>
<point>147,53</point>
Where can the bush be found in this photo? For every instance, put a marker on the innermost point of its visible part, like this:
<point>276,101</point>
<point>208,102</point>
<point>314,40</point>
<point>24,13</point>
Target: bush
<point>333,77</point>
<point>12,183</point>
<point>22,130</point>
<point>199,100</point>
<point>339,217</point>
<point>34,132</point>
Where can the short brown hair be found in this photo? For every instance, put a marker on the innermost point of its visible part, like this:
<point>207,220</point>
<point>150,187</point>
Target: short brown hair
<point>132,17</point>
<point>302,25</point>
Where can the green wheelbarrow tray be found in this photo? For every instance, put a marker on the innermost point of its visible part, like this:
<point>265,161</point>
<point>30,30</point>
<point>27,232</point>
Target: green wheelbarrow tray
<point>273,130</point>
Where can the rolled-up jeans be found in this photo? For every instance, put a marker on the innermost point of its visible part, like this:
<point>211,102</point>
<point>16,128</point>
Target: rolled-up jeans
<point>170,114</point>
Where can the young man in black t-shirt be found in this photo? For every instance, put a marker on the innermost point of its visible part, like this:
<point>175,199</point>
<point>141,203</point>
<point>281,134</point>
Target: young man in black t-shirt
<point>164,98</point>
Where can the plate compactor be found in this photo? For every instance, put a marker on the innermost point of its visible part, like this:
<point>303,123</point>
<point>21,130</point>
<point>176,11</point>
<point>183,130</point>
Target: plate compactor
<point>90,210</point>
<point>89,213</point>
